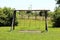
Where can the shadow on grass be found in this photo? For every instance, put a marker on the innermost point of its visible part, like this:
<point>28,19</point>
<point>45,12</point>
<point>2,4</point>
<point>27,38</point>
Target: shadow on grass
<point>5,26</point>
<point>52,27</point>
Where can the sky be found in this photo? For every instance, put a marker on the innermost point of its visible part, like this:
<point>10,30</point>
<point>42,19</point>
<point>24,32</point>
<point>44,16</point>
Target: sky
<point>29,4</point>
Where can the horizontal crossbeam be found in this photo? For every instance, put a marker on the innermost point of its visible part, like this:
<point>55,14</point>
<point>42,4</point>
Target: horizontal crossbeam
<point>32,10</point>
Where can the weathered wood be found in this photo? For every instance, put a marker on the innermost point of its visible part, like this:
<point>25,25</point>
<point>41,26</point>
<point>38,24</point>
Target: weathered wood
<point>32,10</point>
<point>46,27</point>
<point>13,20</point>
<point>14,16</point>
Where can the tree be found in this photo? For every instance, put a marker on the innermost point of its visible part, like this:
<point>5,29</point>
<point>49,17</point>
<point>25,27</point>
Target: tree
<point>21,14</point>
<point>58,1</point>
<point>56,17</point>
<point>29,13</point>
<point>6,15</point>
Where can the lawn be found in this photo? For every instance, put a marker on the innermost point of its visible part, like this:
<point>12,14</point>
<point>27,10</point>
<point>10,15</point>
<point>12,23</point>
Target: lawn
<point>52,34</point>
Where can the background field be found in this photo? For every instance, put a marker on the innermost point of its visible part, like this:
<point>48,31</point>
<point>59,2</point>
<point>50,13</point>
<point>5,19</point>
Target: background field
<point>52,34</point>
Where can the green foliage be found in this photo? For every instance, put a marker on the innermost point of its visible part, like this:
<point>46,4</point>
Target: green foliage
<point>50,14</point>
<point>28,12</point>
<point>56,18</point>
<point>6,16</point>
<point>58,1</point>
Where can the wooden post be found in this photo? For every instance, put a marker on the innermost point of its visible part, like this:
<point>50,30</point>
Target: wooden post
<point>13,20</point>
<point>46,27</point>
<point>14,17</point>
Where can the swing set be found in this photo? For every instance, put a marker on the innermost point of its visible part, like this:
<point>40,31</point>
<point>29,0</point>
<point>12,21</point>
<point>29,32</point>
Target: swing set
<point>28,11</point>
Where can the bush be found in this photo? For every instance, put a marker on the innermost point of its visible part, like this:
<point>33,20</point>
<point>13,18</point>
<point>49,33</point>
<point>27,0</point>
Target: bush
<point>6,15</point>
<point>56,18</point>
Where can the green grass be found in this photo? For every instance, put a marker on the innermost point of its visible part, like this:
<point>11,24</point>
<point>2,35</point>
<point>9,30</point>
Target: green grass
<point>30,24</point>
<point>52,34</point>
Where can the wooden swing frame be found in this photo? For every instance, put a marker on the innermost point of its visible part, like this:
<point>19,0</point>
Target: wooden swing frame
<point>14,17</point>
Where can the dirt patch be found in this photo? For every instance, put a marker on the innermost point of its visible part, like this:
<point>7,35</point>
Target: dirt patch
<point>31,31</point>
